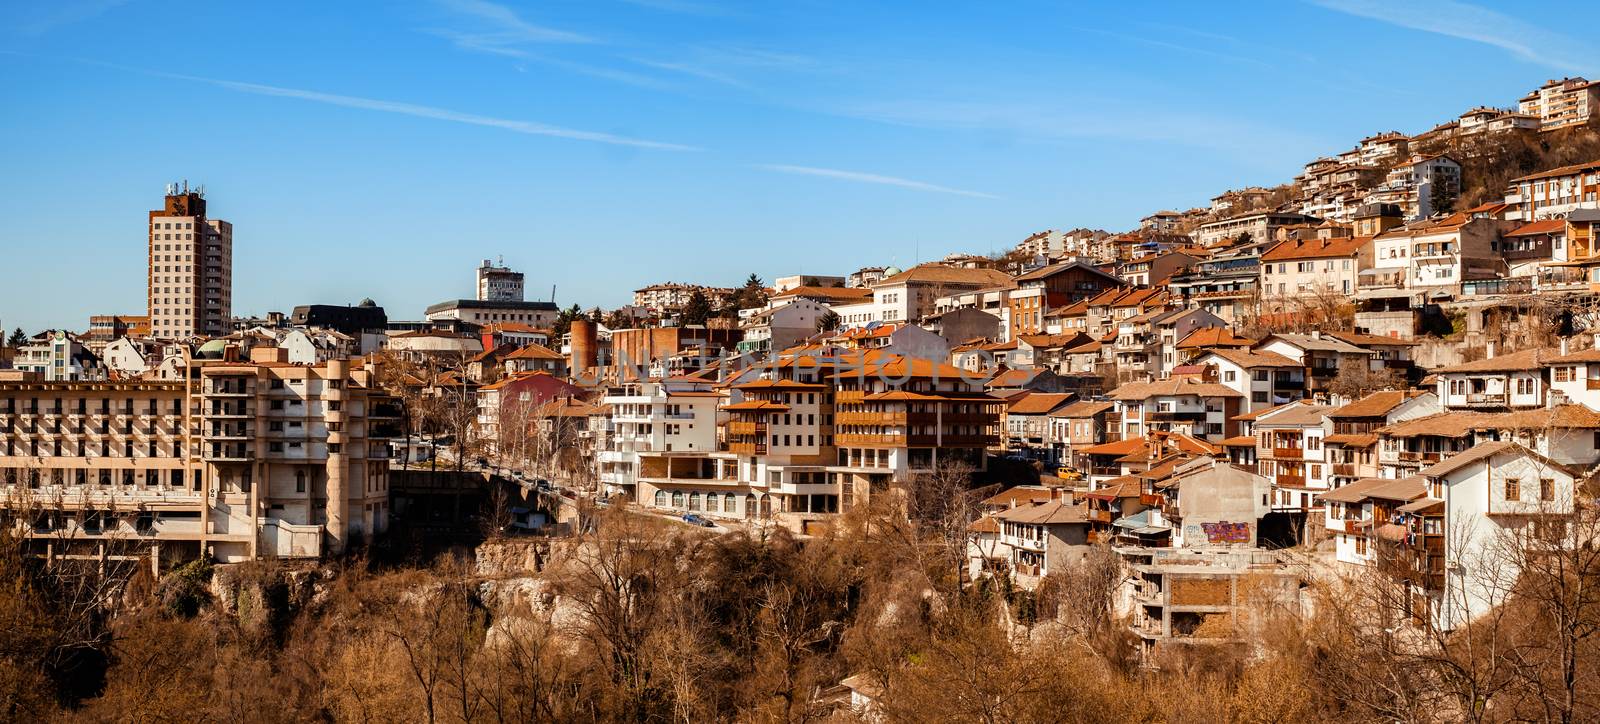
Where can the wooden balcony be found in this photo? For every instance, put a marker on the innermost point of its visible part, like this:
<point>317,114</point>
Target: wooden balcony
<point>1099,516</point>
<point>1353,525</point>
<point>847,439</point>
<point>1486,399</point>
<point>1592,383</point>
<point>1344,470</point>
<point>870,418</point>
<point>1292,481</point>
<point>1151,499</point>
<point>1288,453</point>
<point>1420,457</point>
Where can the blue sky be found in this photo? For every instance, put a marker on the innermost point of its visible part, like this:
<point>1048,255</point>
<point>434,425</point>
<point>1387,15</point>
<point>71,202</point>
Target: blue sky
<point>600,145</point>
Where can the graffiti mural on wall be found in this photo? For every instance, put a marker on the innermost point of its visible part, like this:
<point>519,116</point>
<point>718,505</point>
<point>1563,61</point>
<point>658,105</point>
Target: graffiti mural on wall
<point>1224,533</point>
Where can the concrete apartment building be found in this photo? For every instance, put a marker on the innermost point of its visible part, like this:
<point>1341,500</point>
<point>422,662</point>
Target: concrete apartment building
<point>910,295</point>
<point>239,460</point>
<point>473,311</point>
<point>663,417</point>
<point>1554,193</point>
<point>1259,226</point>
<point>1562,103</point>
<point>190,281</point>
<point>672,296</point>
<point>498,283</point>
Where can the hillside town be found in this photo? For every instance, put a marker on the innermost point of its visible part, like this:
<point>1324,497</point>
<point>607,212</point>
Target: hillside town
<point>1381,369</point>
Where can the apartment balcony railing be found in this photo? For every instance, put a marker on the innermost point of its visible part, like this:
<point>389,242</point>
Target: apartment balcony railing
<point>1292,481</point>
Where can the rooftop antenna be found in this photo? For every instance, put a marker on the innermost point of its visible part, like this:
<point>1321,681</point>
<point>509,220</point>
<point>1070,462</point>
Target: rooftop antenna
<point>502,259</point>
<point>552,294</point>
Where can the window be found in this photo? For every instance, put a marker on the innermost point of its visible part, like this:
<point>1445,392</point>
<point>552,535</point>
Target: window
<point>1547,489</point>
<point>299,481</point>
<point>1513,489</point>
<point>1563,374</point>
<point>1229,376</point>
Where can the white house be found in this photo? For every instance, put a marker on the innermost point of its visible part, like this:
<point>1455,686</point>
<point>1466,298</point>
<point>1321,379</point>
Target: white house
<point>1495,498</point>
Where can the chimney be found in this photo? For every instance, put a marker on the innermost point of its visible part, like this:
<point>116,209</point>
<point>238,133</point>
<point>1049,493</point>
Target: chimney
<point>1488,350</point>
<point>1316,334</point>
<point>1563,346</point>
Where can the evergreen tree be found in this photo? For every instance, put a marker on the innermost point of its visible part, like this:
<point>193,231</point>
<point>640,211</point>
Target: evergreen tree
<point>828,322</point>
<point>1442,198</point>
<point>697,310</point>
<point>752,295</point>
<point>18,338</point>
<point>564,319</point>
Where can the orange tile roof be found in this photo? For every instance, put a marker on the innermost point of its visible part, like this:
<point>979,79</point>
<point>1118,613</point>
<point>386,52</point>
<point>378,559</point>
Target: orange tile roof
<point>1316,249</point>
<point>1546,226</point>
<point>1213,337</point>
<point>1038,403</point>
<point>535,351</point>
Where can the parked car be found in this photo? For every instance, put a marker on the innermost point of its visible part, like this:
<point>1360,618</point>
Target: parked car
<point>697,519</point>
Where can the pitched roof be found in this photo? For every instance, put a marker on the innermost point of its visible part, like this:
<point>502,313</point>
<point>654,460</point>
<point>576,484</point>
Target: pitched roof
<point>535,351</point>
<point>1467,457</point>
<point>936,273</point>
<point>1051,512</point>
<point>1012,378</point>
<point>1066,266</point>
<point>1213,337</point>
<point>1175,386</point>
<point>1590,354</point>
<point>1559,171</point>
<point>827,294</point>
<point>1443,424</point>
<point>1019,494</point>
<point>1038,403</point>
<point>1265,410</point>
<point>1251,359</point>
<point>1545,226</point>
<point>1380,488</point>
<point>1317,248</point>
<point>1318,342</point>
<point>1083,408</point>
<point>1295,416</point>
<point>1376,404</point>
<point>1516,361</point>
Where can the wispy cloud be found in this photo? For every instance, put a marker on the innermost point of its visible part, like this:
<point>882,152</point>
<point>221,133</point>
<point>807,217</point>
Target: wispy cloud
<point>66,12</point>
<point>1480,25</point>
<point>501,30</point>
<point>730,65</point>
<point>441,114</point>
<point>872,178</point>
